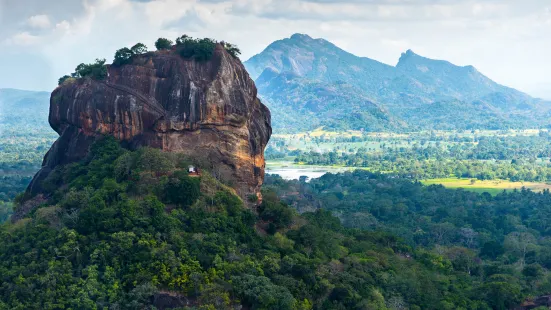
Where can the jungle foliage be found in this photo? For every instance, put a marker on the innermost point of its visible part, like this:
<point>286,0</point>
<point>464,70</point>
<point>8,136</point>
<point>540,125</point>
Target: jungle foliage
<point>124,227</point>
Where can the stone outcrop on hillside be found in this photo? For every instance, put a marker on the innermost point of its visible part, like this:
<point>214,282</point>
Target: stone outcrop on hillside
<point>207,110</point>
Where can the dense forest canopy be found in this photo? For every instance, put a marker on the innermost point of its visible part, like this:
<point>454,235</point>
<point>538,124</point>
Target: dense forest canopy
<point>488,237</point>
<point>124,231</point>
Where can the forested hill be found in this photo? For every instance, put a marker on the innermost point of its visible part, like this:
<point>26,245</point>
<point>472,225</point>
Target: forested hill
<point>333,88</point>
<point>132,230</point>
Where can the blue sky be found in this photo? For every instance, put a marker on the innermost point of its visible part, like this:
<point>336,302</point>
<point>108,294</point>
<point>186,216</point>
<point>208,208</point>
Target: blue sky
<point>508,40</point>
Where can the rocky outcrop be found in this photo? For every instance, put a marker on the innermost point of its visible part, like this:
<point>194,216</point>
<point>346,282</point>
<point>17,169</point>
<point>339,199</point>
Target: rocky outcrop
<point>207,110</point>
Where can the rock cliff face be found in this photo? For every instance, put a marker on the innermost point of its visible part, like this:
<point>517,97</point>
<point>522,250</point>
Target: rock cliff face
<point>207,110</point>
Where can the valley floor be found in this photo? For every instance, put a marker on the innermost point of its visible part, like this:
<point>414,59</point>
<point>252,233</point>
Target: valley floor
<point>476,160</point>
<point>290,170</point>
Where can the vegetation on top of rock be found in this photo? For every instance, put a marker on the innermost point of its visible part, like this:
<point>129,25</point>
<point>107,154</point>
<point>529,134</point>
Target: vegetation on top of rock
<point>187,47</point>
<point>139,48</point>
<point>202,49</point>
<point>232,49</point>
<point>198,49</point>
<point>163,44</point>
<point>63,79</point>
<point>96,71</point>
<point>124,55</point>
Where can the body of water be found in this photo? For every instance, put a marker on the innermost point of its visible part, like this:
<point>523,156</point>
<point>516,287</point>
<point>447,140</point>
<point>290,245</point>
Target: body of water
<point>294,172</point>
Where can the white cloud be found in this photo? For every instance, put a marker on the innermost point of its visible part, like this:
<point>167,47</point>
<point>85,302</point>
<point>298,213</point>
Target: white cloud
<point>23,38</point>
<point>63,26</point>
<point>505,39</point>
<point>397,11</point>
<point>39,21</point>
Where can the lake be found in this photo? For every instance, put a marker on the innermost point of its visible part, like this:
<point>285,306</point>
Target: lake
<point>292,171</point>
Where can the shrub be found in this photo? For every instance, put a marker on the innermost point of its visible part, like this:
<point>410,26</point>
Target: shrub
<point>139,48</point>
<point>150,159</point>
<point>231,202</point>
<point>63,79</point>
<point>198,49</point>
<point>163,44</point>
<point>183,40</point>
<point>276,213</point>
<point>204,49</point>
<point>533,271</point>
<point>232,49</point>
<point>96,71</point>
<point>261,293</point>
<point>182,190</point>
<point>123,56</point>
<point>252,198</point>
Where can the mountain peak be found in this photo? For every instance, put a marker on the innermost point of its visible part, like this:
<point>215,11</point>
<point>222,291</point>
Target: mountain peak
<point>301,37</point>
<point>407,55</point>
<point>410,59</point>
<point>304,72</point>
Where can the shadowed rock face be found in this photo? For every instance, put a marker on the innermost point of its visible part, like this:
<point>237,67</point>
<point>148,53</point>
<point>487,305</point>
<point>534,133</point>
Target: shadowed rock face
<point>208,110</point>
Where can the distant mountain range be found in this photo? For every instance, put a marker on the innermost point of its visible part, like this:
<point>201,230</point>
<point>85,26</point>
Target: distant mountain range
<point>308,83</point>
<point>24,112</point>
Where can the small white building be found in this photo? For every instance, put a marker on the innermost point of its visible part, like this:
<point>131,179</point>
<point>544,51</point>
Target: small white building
<point>193,171</point>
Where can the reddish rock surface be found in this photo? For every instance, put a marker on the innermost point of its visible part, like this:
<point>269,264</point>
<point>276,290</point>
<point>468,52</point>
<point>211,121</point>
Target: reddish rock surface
<point>208,110</point>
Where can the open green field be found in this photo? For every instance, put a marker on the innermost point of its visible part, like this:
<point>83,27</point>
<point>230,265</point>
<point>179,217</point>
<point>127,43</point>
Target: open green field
<point>493,187</point>
<point>323,141</point>
<point>389,135</point>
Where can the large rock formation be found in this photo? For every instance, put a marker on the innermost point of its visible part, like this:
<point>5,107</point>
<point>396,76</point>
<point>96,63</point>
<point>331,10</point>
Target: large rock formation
<point>208,110</point>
